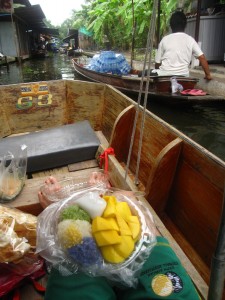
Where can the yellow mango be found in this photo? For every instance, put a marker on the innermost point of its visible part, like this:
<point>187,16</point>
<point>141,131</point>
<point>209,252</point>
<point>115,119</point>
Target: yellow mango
<point>135,229</point>
<point>126,247</point>
<point>107,237</point>
<point>111,198</point>
<point>123,226</point>
<point>110,209</point>
<point>110,255</point>
<point>133,219</point>
<point>100,223</point>
<point>123,209</point>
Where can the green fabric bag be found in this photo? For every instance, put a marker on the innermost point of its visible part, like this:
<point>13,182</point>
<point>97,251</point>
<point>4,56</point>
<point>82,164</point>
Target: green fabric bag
<point>78,287</point>
<point>162,277</point>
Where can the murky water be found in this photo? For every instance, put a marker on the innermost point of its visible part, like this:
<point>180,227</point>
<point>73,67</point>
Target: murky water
<point>205,124</point>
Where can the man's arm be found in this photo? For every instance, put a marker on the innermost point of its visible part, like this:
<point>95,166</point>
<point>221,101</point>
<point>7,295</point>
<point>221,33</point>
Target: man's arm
<point>205,66</point>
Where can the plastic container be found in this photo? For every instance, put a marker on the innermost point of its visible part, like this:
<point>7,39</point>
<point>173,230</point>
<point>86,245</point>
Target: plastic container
<point>49,248</point>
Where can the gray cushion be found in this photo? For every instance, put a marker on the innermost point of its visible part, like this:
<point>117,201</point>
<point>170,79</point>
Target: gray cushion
<point>55,147</point>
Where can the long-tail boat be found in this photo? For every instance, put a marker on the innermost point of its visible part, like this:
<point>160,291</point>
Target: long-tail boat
<point>183,183</point>
<point>130,83</point>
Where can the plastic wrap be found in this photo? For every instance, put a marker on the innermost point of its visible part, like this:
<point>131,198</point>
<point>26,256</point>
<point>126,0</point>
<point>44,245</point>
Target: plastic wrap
<point>54,243</point>
<point>12,275</point>
<point>109,62</point>
<point>17,234</point>
<point>13,168</point>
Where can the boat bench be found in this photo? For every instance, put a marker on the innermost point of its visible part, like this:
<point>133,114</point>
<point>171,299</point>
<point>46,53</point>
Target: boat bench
<point>55,147</point>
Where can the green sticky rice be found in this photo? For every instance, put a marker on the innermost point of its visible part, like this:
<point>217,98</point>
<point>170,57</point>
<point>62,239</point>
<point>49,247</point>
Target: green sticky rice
<point>74,212</point>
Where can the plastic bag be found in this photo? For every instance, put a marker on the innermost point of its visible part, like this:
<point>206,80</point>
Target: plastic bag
<point>59,190</point>
<point>14,275</point>
<point>54,236</point>
<point>13,168</point>
<point>17,234</point>
<point>175,86</point>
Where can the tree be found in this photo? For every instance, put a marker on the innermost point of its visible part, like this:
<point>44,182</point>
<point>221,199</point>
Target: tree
<point>113,19</point>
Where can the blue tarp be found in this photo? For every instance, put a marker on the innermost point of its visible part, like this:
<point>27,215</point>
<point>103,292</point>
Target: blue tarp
<point>109,62</point>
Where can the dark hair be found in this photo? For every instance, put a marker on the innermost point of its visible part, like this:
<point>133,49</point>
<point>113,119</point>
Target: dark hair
<point>178,21</point>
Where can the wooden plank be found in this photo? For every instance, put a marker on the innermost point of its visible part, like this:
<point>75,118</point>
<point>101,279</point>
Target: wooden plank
<point>102,138</point>
<point>115,103</point>
<point>122,131</point>
<point>27,200</point>
<point>4,125</point>
<point>85,101</point>
<point>88,164</point>
<point>198,217</point>
<point>52,172</point>
<point>34,110</point>
<point>162,175</point>
<point>155,138</point>
<point>204,162</point>
<point>178,99</point>
<point>187,248</point>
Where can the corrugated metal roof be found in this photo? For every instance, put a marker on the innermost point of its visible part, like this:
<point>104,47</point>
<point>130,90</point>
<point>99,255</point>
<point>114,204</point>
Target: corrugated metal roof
<point>34,17</point>
<point>22,2</point>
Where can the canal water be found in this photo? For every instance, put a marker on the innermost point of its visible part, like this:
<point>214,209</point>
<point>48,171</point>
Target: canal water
<point>205,124</point>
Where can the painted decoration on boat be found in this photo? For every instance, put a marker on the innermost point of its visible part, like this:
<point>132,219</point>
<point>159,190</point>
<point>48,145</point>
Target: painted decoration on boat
<point>34,94</point>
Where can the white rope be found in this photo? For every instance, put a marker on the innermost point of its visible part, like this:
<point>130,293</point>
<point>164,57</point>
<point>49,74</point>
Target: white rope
<point>148,53</point>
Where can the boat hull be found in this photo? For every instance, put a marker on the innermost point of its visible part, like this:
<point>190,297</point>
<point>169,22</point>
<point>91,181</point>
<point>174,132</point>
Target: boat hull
<point>183,183</point>
<point>131,83</point>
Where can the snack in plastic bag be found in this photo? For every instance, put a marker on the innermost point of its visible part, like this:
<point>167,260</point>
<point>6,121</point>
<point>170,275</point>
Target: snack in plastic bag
<point>13,168</point>
<point>114,242</point>
<point>11,246</point>
<point>17,233</point>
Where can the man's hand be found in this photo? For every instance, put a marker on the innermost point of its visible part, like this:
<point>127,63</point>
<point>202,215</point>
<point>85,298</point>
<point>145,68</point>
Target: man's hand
<point>208,77</point>
<point>205,67</point>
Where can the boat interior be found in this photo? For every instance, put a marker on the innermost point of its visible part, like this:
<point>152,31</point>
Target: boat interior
<point>182,182</point>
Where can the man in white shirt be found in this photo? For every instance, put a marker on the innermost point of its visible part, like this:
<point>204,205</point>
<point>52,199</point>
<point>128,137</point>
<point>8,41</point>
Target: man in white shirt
<point>176,49</point>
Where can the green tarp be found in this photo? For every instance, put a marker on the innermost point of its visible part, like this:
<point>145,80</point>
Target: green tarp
<point>84,31</point>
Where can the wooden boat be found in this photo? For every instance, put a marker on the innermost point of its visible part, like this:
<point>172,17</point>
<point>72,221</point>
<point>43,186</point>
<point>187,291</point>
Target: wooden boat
<point>183,183</point>
<point>39,53</point>
<point>131,83</point>
<point>74,53</point>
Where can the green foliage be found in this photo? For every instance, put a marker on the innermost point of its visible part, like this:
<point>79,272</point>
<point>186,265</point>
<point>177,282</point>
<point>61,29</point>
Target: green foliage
<point>117,20</point>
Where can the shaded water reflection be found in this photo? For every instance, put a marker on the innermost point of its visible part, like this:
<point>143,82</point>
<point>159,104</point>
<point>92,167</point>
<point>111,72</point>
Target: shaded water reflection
<point>205,124</point>
<point>54,67</point>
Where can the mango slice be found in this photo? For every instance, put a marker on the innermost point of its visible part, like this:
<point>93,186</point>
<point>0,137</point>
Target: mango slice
<point>126,247</point>
<point>135,227</point>
<point>111,198</point>
<point>123,209</point>
<point>107,237</point>
<point>110,255</point>
<point>133,219</point>
<point>116,231</point>
<point>123,226</point>
<point>110,209</point>
<point>100,223</point>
